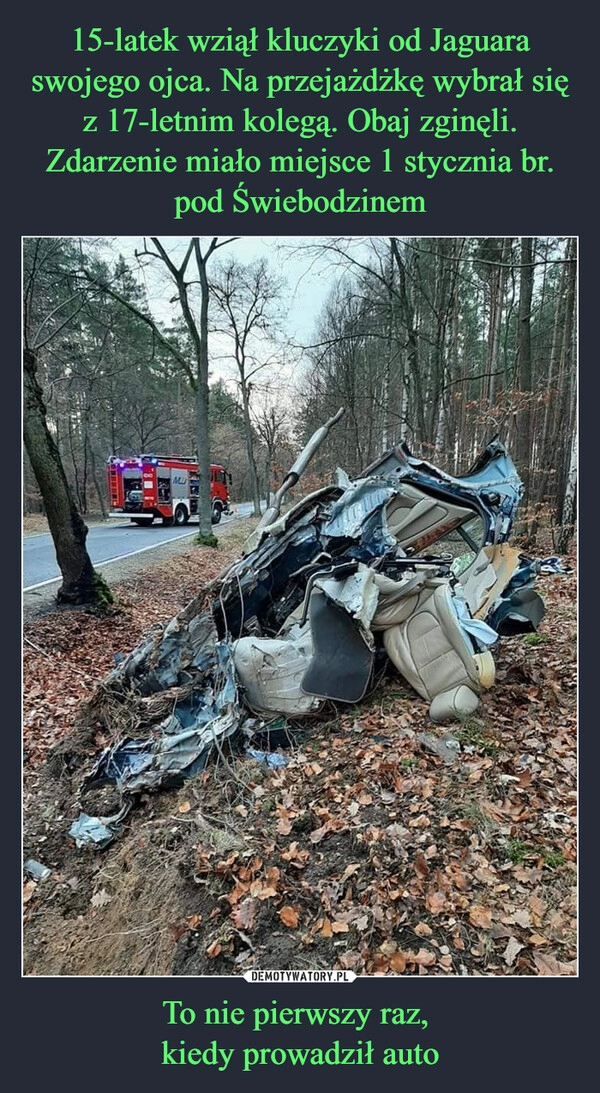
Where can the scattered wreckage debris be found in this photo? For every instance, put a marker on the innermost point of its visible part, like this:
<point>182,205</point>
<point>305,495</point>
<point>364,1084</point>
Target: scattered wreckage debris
<point>343,577</point>
<point>36,870</point>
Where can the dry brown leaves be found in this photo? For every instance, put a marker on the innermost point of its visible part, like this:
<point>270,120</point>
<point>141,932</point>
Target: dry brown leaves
<point>67,653</point>
<point>378,845</point>
<point>367,852</point>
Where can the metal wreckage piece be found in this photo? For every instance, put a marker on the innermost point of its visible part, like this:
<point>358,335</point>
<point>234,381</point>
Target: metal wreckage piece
<point>408,559</point>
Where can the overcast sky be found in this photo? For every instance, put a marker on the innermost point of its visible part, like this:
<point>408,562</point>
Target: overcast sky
<point>308,280</point>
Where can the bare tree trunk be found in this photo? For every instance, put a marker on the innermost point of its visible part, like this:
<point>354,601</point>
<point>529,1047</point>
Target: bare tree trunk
<point>567,528</point>
<point>250,448</point>
<point>388,363</point>
<point>198,376</point>
<point>566,422</point>
<point>78,495</point>
<point>496,308</point>
<point>523,365</point>
<point>80,582</point>
<point>547,453</point>
<point>202,441</point>
<point>96,482</point>
<point>412,347</point>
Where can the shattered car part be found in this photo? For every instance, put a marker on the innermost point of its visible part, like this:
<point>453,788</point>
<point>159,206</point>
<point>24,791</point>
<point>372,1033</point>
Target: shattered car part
<point>183,741</point>
<point>554,565</point>
<point>491,487</point>
<point>299,619</point>
<point>342,660</point>
<point>97,831</point>
<point>300,465</point>
<point>36,869</point>
<point>271,673</point>
<point>270,759</point>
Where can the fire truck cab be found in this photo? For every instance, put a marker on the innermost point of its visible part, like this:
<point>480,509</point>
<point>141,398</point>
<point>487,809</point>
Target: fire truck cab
<point>149,486</point>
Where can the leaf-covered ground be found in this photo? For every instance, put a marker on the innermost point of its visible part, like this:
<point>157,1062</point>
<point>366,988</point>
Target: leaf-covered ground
<point>367,851</point>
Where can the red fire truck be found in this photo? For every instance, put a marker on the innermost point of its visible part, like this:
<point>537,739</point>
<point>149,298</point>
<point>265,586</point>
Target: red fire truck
<point>147,486</point>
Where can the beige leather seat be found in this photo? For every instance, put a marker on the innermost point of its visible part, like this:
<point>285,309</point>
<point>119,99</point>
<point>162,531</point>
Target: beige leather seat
<point>432,652</point>
<point>271,671</point>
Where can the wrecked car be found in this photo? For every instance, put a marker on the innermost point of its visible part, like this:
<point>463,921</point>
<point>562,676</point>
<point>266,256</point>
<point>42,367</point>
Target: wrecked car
<point>406,562</point>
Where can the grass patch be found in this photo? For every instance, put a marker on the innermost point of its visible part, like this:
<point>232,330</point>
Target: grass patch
<point>234,535</point>
<point>554,859</point>
<point>536,639</point>
<point>472,733</point>
<point>103,592</point>
<point>471,810</point>
<point>517,850</point>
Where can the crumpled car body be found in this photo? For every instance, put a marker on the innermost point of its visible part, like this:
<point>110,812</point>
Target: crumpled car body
<point>407,557</point>
<point>406,561</point>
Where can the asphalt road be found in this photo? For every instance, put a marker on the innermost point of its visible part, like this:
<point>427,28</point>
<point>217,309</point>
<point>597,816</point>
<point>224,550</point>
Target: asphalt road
<point>106,543</point>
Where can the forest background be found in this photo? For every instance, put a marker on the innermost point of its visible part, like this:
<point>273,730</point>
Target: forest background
<point>443,342</point>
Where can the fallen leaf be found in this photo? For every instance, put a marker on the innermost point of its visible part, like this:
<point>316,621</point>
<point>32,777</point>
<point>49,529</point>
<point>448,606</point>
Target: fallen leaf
<point>100,899</point>
<point>548,964</point>
<point>213,949</point>
<point>289,917</point>
<point>538,908</point>
<point>225,866</point>
<point>28,889</point>
<point>388,947</point>
<point>480,916</point>
<point>340,927</point>
<point>295,856</point>
<point>512,950</point>
<point>348,871</point>
<point>237,893</point>
<point>319,833</point>
<point>244,914</point>
<point>423,958</point>
<point>522,918</point>
<point>435,902</point>
<point>420,865</point>
<point>493,810</point>
<point>423,930</point>
<point>398,962</point>
<point>267,892</point>
<point>498,930</point>
<point>185,806</point>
